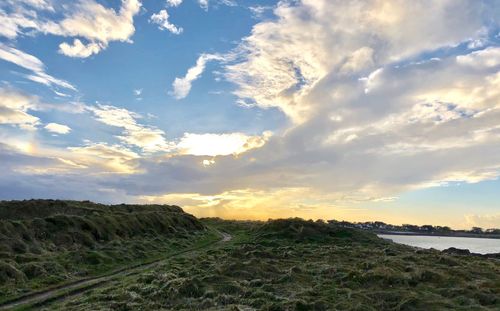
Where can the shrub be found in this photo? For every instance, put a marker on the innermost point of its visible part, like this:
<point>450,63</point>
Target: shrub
<point>10,273</point>
<point>32,270</point>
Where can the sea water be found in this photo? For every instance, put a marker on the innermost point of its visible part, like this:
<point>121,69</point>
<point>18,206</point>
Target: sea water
<point>474,245</point>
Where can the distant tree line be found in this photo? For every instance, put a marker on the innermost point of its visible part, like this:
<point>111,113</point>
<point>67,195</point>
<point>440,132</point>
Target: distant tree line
<point>407,228</point>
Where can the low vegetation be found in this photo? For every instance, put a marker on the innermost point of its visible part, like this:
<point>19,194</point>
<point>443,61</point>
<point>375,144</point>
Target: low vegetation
<point>285,264</point>
<point>44,243</point>
<point>294,264</point>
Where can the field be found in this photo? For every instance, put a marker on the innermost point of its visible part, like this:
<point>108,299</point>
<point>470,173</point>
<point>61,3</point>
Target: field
<point>288,264</point>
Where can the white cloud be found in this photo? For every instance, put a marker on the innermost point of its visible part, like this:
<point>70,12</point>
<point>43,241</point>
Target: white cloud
<point>161,19</point>
<point>33,64</point>
<point>31,158</point>
<point>203,4</point>
<point>259,10</point>
<point>314,41</point>
<point>149,139</point>
<point>228,2</point>
<point>21,59</point>
<point>57,128</point>
<point>114,116</point>
<point>487,58</point>
<point>112,158</point>
<point>78,49</point>
<point>84,19</point>
<point>174,3</point>
<point>61,94</point>
<point>19,118</point>
<point>219,144</point>
<point>363,109</point>
<point>67,107</point>
<point>138,93</point>
<point>96,23</point>
<point>207,162</point>
<point>182,86</point>
<point>18,15</point>
<point>38,4</point>
<point>14,110</point>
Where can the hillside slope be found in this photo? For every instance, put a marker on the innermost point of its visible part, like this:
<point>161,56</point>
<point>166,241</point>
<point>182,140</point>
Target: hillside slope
<point>293,264</point>
<point>46,242</point>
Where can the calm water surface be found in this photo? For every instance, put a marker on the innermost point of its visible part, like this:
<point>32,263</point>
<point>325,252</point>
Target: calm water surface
<point>475,245</point>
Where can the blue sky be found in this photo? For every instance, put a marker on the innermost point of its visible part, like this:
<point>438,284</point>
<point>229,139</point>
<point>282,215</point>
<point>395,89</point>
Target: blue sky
<point>374,110</point>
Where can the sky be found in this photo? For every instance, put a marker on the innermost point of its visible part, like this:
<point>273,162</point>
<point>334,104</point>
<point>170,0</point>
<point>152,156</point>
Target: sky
<point>350,110</point>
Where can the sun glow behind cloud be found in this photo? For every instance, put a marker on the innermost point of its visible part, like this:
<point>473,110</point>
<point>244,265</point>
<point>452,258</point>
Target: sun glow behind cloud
<point>219,144</point>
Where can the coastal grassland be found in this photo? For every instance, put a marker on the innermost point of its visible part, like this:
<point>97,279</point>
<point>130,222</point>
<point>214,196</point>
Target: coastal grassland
<point>294,264</point>
<point>47,243</point>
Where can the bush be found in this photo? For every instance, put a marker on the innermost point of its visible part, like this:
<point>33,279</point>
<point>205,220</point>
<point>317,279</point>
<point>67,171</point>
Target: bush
<point>310,231</point>
<point>96,258</point>
<point>32,270</point>
<point>19,246</point>
<point>10,273</point>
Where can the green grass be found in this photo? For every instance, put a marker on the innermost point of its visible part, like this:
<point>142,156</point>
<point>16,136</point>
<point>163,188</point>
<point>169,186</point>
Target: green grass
<point>287,264</point>
<point>279,266</point>
<point>210,237</point>
<point>47,243</point>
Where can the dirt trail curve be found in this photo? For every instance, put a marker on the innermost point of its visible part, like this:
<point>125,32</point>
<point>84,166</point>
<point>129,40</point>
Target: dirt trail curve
<point>225,237</point>
<point>78,287</point>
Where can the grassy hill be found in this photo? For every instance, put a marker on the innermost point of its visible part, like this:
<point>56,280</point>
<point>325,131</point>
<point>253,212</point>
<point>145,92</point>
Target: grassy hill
<point>284,264</point>
<point>300,230</point>
<point>46,242</point>
<point>293,264</point>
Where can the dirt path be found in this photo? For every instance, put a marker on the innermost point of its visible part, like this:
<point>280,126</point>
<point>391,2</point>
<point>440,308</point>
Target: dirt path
<point>81,286</point>
<point>226,237</point>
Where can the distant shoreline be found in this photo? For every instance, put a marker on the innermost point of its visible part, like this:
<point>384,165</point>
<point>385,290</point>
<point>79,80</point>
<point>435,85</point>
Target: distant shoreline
<point>454,234</point>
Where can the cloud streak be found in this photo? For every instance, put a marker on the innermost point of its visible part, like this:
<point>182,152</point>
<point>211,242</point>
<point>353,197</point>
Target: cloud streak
<point>148,139</point>
<point>33,64</point>
<point>182,86</point>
